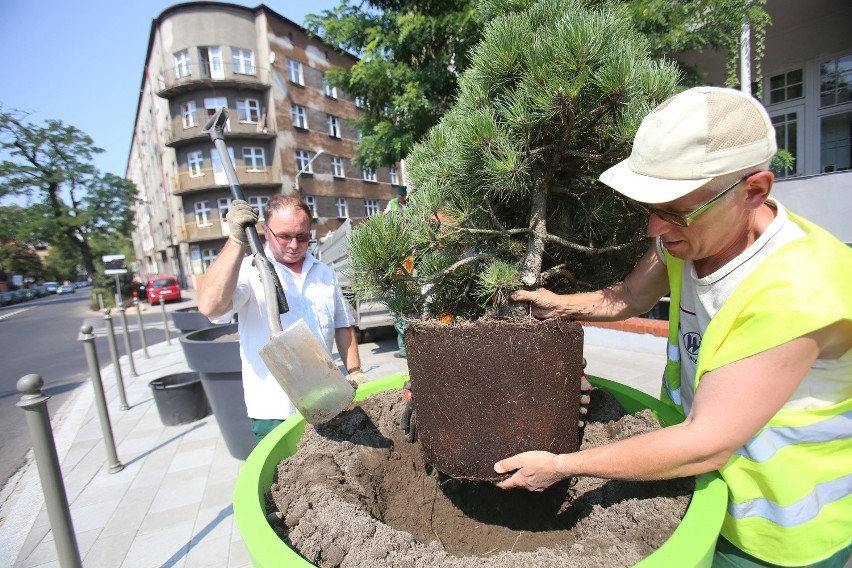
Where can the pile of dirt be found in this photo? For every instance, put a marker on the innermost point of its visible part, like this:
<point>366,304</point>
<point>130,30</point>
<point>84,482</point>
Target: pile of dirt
<point>356,494</point>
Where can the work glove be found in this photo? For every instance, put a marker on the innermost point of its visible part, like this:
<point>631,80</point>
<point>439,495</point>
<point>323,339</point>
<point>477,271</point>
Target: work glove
<point>240,216</point>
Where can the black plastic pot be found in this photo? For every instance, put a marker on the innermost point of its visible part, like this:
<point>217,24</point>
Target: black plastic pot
<point>180,398</point>
<point>190,319</point>
<point>218,362</point>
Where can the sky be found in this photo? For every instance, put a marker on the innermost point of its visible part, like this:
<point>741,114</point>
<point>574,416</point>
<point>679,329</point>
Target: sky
<point>81,62</point>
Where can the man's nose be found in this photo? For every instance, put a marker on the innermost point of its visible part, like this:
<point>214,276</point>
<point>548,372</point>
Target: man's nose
<point>656,226</point>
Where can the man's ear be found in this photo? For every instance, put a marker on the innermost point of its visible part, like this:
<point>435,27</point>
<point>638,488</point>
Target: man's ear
<point>758,186</point>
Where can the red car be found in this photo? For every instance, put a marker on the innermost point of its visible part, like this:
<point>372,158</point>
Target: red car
<point>165,287</point>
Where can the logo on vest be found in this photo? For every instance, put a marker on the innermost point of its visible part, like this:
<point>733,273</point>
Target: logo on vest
<point>691,342</point>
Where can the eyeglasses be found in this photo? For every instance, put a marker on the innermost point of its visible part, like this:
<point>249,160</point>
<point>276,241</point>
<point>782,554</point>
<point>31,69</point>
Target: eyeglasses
<point>285,239</point>
<point>684,220</point>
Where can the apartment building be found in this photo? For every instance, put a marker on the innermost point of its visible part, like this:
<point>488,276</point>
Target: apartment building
<point>288,131</point>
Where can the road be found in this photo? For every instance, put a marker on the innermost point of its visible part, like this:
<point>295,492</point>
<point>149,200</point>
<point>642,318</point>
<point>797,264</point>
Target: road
<point>42,336</point>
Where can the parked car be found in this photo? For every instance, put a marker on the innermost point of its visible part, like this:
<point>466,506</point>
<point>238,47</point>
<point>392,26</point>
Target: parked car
<point>20,295</point>
<point>66,289</point>
<point>165,287</point>
<point>7,298</point>
<point>51,287</point>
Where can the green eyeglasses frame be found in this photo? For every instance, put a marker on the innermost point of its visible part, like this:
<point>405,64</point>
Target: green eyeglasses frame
<point>682,220</point>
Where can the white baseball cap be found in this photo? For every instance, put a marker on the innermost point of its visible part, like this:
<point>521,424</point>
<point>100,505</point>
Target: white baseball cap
<point>691,138</point>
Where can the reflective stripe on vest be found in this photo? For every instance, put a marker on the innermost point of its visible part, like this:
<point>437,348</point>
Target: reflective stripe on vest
<point>762,447</point>
<point>798,513</point>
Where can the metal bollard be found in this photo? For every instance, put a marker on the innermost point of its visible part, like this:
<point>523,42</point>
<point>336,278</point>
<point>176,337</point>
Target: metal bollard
<point>34,403</point>
<point>141,328</point>
<point>165,321</point>
<point>100,400</point>
<point>127,344</point>
<point>116,363</point>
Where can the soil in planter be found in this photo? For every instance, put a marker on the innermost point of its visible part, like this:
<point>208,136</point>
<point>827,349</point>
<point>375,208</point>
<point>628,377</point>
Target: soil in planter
<point>356,494</point>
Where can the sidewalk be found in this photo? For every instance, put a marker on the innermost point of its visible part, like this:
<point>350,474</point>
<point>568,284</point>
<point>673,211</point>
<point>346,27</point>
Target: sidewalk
<point>171,504</point>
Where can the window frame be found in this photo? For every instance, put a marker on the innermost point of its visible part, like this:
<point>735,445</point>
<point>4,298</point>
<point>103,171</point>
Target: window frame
<point>299,116</point>
<point>342,206</point>
<point>333,123</point>
<point>327,89</point>
<point>311,202</point>
<point>202,213</point>
<point>253,155</point>
<point>242,61</point>
<point>371,207</point>
<point>337,164</point>
<point>295,72</point>
<point>195,163</point>
<point>188,112</point>
<point>183,64</point>
<point>250,108</point>
<point>368,174</point>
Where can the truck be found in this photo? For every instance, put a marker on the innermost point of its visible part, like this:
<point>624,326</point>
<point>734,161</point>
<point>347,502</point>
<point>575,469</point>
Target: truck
<point>333,250</point>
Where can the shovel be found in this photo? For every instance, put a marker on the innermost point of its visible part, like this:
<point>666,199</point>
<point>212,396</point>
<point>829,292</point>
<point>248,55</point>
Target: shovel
<point>294,356</point>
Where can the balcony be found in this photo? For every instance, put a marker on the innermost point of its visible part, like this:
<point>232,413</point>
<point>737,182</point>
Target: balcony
<point>186,129</point>
<point>212,178</point>
<point>193,232</point>
<point>192,76</point>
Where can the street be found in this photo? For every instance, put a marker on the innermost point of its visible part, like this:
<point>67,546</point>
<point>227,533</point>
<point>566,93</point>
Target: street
<point>42,337</point>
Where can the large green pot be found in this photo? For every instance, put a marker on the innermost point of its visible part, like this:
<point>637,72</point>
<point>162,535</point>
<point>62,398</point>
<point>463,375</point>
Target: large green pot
<point>691,544</point>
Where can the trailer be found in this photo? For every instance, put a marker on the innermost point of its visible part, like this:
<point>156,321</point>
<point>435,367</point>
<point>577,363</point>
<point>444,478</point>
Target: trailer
<point>333,250</point>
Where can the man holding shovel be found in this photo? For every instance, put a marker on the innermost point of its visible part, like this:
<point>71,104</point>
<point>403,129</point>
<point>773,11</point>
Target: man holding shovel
<point>232,285</point>
<point>760,340</point>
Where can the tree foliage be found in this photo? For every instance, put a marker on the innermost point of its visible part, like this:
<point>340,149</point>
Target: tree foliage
<point>506,191</point>
<point>17,259</point>
<point>69,201</point>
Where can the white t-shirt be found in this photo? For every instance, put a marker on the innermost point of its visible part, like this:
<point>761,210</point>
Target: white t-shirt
<point>701,298</point>
<point>314,295</point>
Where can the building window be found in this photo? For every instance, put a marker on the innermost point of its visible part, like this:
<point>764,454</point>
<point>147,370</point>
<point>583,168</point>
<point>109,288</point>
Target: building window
<point>254,159</point>
<point>187,114</point>
<point>242,61</point>
<point>328,90</point>
<point>333,126</point>
<point>835,142</point>
<point>183,67</point>
<point>835,81</point>
<point>258,203</point>
<point>786,86</point>
<point>195,161</point>
<point>207,258</point>
<point>371,207</point>
<point>213,104</point>
<point>311,202</point>
<point>248,110</point>
<point>294,72</point>
<point>202,214</point>
<point>337,166</point>
<point>224,204</point>
<point>394,178</point>
<point>368,174</point>
<point>212,65</point>
<point>303,162</point>
<point>359,102</point>
<point>786,135</point>
<point>299,116</point>
<point>342,207</point>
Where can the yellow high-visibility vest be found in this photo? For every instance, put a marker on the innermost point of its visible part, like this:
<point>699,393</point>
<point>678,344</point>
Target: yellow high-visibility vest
<point>790,485</point>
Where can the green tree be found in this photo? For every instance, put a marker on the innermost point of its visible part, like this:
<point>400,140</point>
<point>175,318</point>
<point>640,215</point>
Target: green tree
<point>413,52</point>
<point>17,259</point>
<point>70,201</point>
<point>506,184</point>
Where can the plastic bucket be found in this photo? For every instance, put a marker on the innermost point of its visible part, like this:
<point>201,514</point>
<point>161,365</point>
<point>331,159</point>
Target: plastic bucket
<point>180,398</point>
<point>691,544</point>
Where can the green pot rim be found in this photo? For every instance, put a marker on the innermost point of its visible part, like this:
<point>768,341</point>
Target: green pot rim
<point>691,544</point>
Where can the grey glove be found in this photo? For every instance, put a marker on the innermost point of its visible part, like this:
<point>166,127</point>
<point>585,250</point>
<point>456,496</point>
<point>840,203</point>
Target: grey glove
<point>240,216</point>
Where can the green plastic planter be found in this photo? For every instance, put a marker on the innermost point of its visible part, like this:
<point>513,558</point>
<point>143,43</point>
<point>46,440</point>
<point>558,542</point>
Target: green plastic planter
<point>691,544</point>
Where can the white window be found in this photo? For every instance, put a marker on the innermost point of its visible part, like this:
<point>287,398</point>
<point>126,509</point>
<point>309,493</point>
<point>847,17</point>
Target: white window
<point>248,110</point>
<point>371,207</point>
<point>213,104</point>
<point>207,258</point>
<point>242,61</point>
<point>835,81</point>
<point>337,166</point>
<point>368,174</point>
<point>835,142</point>
<point>220,177</point>
<point>786,86</point>
<point>358,135</point>
<point>258,203</point>
<point>202,214</point>
<point>333,126</point>
<point>212,65</point>
<point>328,90</point>
<point>311,202</point>
<point>787,137</point>
<point>183,67</point>
<point>254,159</point>
<point>359,102</point>
<point>187,114</point>
<point>299,116</point>
<point>224,205</point>
<point>342,207</point>
<point>194,162</point>
<point>394,178</point>
<point>294,72</point>
<point>303,161</point>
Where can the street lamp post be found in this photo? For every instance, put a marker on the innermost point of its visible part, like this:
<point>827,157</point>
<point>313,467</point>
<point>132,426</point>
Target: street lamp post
<point>305,169</point>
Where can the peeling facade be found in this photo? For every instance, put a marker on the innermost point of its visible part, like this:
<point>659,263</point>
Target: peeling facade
<point>288,131</point>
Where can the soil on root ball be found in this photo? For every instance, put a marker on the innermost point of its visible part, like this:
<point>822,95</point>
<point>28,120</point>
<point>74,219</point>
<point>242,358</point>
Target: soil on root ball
<point>356,494</point>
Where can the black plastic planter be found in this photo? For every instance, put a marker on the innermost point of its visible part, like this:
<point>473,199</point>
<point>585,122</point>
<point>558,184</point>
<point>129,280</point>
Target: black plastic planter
<point>180,398</point>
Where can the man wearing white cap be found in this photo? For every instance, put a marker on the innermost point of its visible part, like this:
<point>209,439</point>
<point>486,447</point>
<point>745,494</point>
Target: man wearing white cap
<point>760,338</point>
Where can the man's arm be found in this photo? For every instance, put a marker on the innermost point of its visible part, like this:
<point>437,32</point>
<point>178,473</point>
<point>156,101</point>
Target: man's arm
<point>731,404</point>
<point>347,346</point>
<point>635,295</point>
